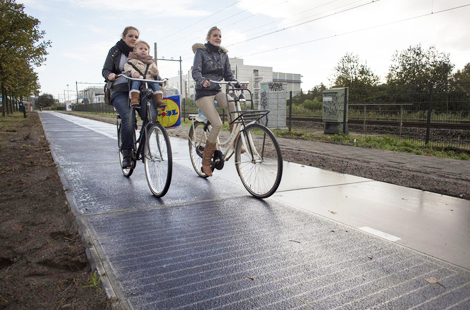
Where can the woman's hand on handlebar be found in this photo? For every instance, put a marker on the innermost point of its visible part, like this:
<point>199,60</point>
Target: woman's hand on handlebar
<point>206,83</point>
<point>111,77</point>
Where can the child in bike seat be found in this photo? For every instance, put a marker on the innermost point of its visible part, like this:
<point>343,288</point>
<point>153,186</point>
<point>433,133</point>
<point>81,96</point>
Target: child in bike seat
<point>141,65</point>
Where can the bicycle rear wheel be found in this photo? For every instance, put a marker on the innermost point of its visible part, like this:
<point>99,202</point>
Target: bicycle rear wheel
<point>158,160</point>
<point>126,171</point>
<point>260,166</point>
<point>197,142</point>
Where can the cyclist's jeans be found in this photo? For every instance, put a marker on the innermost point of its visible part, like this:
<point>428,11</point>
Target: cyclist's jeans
<point>206,105</point>
<point>120,101</point>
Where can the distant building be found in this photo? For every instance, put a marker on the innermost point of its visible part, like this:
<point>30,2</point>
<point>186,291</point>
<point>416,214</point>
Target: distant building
<point>244,73</point>
<point>90,95</point>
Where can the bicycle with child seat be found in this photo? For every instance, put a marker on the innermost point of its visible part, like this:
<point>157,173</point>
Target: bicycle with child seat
<point>258,158</point>
<point>152,145</point>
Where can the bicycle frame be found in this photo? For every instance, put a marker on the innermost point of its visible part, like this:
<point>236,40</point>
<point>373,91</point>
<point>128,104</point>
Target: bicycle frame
<point>258,157</point>
<point>145,93</point>
<point>152,145</point>
<point>244,118</point>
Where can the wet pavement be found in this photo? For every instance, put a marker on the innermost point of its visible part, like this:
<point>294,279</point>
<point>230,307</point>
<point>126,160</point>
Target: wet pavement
<point>324,241</point>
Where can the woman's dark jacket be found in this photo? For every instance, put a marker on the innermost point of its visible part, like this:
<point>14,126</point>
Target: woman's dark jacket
<point>210,63</point>
<point>111,65</point>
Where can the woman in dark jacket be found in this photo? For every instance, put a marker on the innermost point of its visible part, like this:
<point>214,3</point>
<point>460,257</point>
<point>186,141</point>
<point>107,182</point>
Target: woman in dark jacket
<point>114,65</point>
<point>211,63</point>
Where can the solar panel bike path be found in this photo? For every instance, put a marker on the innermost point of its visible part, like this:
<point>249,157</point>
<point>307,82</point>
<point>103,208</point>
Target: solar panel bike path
<point>321,242</point>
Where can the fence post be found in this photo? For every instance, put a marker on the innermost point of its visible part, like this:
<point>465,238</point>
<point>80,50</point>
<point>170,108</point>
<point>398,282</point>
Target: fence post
<point>365,117</point>
<point>345,128</point>
<point>401,117</point>
<point>428,124</point>
<point>290,111</point>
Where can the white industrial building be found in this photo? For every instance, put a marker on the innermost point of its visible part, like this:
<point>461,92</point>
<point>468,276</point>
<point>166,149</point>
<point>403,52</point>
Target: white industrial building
<point>246,73</point>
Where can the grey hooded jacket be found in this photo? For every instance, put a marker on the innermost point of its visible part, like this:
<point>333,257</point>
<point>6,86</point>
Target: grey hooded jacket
<point>210,63</point>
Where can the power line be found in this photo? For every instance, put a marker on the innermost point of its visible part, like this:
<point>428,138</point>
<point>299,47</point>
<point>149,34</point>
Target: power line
<point>335,13</point>
<point>217,23</point>
<point>279,30</point>
<point>303,23</point>
<point>359,30</point>
<point>171,35</point>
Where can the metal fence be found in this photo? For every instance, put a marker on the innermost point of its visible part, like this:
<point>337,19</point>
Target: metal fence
<point>429,116</point>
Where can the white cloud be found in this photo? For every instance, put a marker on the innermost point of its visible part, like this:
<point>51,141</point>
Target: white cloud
<point>82,31</point>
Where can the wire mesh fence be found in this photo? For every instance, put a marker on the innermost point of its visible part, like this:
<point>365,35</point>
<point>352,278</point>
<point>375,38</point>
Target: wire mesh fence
<point>426,115</point>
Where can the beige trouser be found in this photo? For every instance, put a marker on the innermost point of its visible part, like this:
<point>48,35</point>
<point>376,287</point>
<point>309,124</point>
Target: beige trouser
<point>206,104</point>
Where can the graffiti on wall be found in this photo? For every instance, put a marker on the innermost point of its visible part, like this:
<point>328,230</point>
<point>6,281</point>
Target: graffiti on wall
<point>264,100</point>
<point>333,106</point>
<point>273,86</point>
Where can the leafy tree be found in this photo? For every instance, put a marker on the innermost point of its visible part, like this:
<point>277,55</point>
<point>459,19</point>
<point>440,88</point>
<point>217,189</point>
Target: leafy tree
<point>19,50</point>
<point>351,73</point>
<point>460,80</point>
<point>418,68</point>
<point>317,92</point>
<point>412,72</point>
<point>45,100</point>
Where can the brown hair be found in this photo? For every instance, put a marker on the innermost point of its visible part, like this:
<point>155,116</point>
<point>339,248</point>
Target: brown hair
<point>210,32</point>
<point>127,29</point>
<point>140,42</point>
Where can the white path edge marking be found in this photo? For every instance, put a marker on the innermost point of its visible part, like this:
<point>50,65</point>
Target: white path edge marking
<point>85,126</point>
<point>379,233</point>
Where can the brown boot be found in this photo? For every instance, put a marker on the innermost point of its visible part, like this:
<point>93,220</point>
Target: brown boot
<point>206,158</point>
<point>235,142</point>
<point>134,98</point>
<point>159,100</point>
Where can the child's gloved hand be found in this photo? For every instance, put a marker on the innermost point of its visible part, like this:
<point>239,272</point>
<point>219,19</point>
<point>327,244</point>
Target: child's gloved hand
<point>136,75</point>
<point>154,71</point>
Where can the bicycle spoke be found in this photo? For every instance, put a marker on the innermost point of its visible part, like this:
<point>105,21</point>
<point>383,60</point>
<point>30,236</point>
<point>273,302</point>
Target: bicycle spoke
<point>260,167</point>
<point>158,160</point>
<point>197,142</point>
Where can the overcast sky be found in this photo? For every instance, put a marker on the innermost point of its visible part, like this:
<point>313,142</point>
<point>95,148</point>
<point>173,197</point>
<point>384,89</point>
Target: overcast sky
<point>293,36</point>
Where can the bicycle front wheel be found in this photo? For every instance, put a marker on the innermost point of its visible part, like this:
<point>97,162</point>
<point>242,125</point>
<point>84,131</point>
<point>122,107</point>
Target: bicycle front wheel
<point>126,171</point>
<point>197,142</point>
<point>260,166</point>
<point>158,160</point>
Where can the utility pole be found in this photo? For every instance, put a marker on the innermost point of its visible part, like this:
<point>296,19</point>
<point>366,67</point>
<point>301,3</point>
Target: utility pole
<point>180,73</point>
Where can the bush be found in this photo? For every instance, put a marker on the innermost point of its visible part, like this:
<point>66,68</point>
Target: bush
<point>314,104</point>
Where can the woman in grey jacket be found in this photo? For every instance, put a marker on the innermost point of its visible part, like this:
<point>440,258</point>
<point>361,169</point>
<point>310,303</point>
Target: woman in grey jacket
<point>211,62</point>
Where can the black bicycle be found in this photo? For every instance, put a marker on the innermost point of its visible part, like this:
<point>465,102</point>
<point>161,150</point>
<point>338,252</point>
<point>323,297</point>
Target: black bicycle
<point>152,145</point>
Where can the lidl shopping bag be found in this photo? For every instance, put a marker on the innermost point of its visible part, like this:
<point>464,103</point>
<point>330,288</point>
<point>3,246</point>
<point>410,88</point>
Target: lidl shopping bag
<point>170,116</point>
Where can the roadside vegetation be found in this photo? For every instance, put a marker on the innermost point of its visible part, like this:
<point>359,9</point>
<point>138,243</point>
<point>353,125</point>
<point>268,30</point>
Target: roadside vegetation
<point>382,142</point>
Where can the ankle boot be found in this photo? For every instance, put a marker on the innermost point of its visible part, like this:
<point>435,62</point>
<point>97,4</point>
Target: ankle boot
<point>134,98</point>
<point>159,100</point>
<point>206,158</point>
<point>127,159</point>
<point>235,141</point>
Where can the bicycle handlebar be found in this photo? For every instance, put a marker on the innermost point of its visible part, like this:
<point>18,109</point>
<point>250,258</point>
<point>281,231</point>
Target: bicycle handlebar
<point>228,82</point>
<point>141,80</point>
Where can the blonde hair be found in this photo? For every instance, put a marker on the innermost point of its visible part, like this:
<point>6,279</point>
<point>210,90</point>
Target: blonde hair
<point>210,32</point>
<point>140,42</point>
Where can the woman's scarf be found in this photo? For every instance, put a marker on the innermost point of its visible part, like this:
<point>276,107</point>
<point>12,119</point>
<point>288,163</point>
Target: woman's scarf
<point>145,59</point>
<point>123,47</point>
<point>212,48</point>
